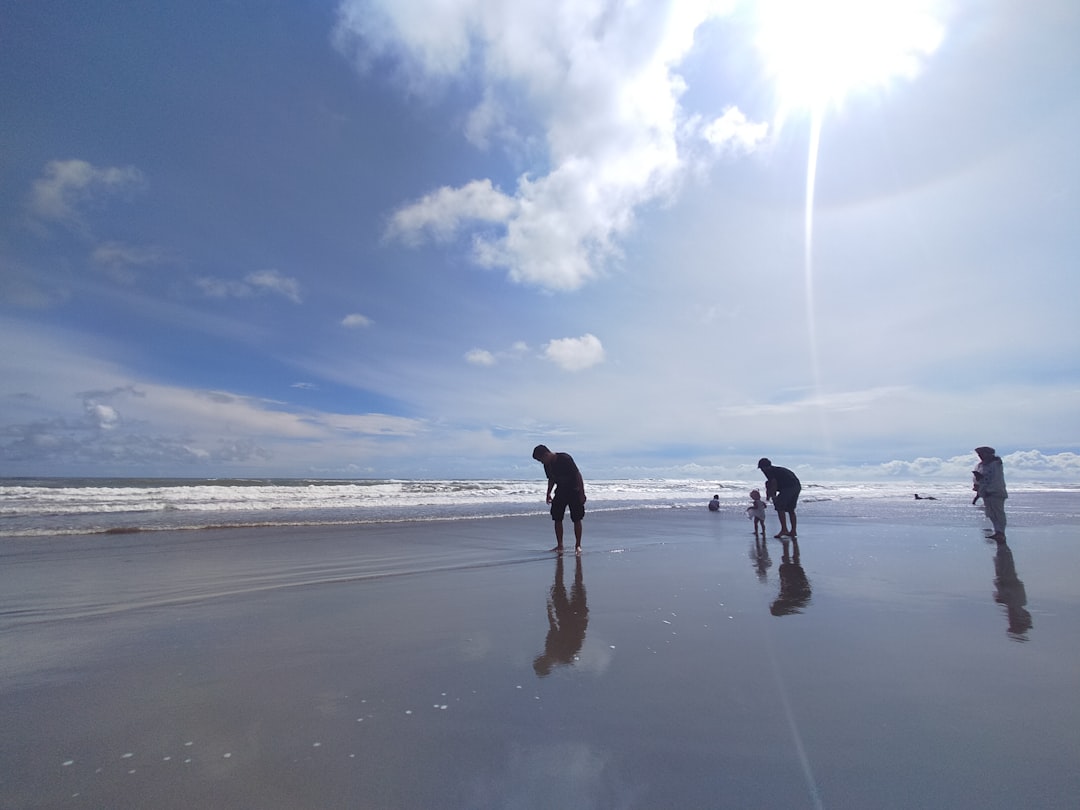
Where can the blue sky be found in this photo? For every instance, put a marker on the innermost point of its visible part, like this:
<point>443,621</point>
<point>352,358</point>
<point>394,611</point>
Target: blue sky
<point>413,238</point>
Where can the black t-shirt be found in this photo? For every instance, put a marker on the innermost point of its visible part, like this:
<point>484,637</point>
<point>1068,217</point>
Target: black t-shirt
<point>784,478</point>
<point>564,472</point>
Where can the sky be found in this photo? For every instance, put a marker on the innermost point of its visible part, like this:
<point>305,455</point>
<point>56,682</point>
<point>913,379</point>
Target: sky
<point>414,238</point>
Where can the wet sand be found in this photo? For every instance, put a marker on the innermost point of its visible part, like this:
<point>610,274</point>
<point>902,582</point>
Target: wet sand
<point>458,664</point>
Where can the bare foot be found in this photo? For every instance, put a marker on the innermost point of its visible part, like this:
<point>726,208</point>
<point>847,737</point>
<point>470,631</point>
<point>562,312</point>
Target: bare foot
<point>781,535</point>
<point>558,549</point>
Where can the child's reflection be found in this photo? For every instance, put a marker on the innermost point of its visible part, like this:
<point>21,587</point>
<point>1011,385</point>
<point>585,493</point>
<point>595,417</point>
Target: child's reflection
<point>759,555</point>
<point>1010,592</point>
<point>567,621</point>
<point>794,586</point>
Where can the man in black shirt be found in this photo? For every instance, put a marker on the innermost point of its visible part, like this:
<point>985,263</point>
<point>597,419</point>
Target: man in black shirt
<point>783,487</point>
<point>564,477</point>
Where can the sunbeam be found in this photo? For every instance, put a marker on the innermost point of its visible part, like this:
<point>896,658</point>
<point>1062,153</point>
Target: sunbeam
<point>819,52</point>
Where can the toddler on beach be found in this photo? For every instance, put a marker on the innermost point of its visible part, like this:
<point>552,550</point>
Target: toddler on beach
<point>756,512</point>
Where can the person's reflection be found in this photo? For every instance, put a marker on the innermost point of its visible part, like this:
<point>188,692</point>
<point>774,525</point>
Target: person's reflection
<point>567,621</point>
<point>1009,591</point>
<point>794,586</point>
<point>759,555</point>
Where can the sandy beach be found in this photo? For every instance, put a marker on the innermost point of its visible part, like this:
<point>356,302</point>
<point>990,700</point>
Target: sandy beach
<point>459,664</point>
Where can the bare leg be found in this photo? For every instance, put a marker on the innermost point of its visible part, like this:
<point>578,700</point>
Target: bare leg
<point>783,525</point>
<point>794,522</point>
<point>558,535</point>
<point>577,535</point>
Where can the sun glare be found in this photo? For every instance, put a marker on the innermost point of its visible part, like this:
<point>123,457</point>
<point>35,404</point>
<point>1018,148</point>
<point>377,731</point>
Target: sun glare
<point>818,52</point>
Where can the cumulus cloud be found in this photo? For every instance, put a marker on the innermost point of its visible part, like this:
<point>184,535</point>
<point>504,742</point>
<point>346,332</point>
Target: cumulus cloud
<point>356,321</point>
<point>601,84</point>
<point>1025,465</point>
<point>733,133</point>
<point>264,281</point>
<point>441,213</point>
<point>485,357</point>
<point>480,357</point>
<point>575,354</point>
<point>103,416</point>
<point>67,187</point>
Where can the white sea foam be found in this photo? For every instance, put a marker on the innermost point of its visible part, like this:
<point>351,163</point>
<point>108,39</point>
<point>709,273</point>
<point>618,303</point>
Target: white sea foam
<point>77,506</point>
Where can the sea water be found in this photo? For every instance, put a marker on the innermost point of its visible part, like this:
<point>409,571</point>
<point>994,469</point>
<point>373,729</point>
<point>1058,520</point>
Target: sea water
<point>57,506</point>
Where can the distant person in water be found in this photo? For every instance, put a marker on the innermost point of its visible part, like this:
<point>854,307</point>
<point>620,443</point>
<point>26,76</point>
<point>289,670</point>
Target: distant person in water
<point>990,486</point>
<point>714,504</point>
<point>564,477</point>
<point>756,512</point>
<point>782,487</point>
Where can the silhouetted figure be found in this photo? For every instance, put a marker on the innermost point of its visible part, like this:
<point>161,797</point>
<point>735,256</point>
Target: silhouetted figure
<point>568,619</point>
<point>564,477</point>
<point>794,586</point>
<point>714,504</point>
<point>1010,593</point>
<point>782,487</point>
<point>759,554</point>
<point>989,485</point>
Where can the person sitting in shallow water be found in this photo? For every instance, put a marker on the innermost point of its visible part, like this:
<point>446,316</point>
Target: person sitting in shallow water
<point>714,504</point>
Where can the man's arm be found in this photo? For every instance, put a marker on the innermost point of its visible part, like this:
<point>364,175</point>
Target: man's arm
<point>581,485</point>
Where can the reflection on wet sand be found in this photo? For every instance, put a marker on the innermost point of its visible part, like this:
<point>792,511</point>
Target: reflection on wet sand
<point>759,555</point>
<point>794,586</point>
<point>568,619</point>
<point>1009,591</point>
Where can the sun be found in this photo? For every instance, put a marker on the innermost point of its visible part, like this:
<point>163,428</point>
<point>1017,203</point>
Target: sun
<point>819,52</point>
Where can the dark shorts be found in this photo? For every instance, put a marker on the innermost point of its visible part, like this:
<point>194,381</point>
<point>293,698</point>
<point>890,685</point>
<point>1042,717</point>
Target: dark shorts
<point>560,501</point>
<point>787,500</point>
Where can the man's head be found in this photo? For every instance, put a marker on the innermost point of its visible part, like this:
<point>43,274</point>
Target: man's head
<point>764,464</point>
<point>541,453</point>
<point>985,453</point>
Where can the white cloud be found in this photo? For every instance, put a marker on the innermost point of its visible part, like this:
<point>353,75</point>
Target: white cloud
<point>372,424</point>
<point>273,281</point>
<point>1022,465</point>
<point>356,321</point>
<point>480,357</point>
<point>264,281</point>
<point>486,119</point>
<point>575,354</point>
<point>117,254</point>
<point>120,260</point>
<point>733,133</point>
<point>441,213</point>
<point>68,186</point>
<point>104,416</point>
<point>601,83</point>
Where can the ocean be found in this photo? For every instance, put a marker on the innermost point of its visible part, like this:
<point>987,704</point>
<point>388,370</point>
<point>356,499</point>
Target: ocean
<point>71,506</point>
